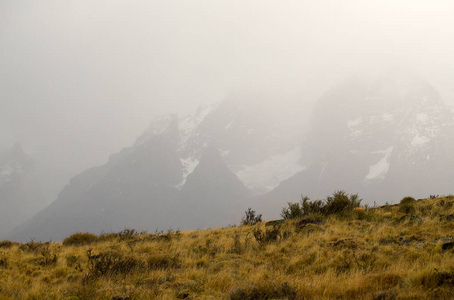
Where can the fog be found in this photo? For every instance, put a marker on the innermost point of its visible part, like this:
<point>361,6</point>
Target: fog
<point>80,80</point>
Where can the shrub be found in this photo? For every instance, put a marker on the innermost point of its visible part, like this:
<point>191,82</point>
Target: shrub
<point>406,205</point>
<point>407,200</point>
<point>7,244</point>
<point>407,208</point>
<point>46,258</point>
<point>33,246</point>
<point>78,239</point>
<point>111,263</point>
<point>270,235</point>
<point>251,218</point>
<point>127,234</point>
<point>340,203</point>
<point>292,211</point>
<point>314,207</point>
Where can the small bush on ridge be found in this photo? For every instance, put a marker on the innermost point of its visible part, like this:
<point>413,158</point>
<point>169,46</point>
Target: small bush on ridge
<point>407,200</point>
<point>293,211</point>
<point>406,205</point>
<point>251,218</point>
<point>339,203</point>
<point>7,244</point>
<point>78,239</point>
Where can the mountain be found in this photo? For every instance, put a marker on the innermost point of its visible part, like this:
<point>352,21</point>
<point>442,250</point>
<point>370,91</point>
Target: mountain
<point>21,195</point>
<point>384,136</point>
<point>183,172</point>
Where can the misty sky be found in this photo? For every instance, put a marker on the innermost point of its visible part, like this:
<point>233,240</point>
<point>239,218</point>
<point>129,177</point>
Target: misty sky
<point>81,79</point>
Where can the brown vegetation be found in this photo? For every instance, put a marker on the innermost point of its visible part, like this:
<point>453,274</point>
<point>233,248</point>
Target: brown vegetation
<point>369,253</point>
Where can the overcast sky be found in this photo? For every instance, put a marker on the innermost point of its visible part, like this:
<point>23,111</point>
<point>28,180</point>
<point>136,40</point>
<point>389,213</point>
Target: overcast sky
<point>81,79</point>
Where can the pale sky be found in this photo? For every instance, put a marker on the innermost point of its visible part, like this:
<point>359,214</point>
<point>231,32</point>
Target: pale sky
<point>81,79</point>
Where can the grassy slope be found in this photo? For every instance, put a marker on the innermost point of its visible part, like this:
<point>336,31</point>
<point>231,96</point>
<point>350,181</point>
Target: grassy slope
<point>372,254</point>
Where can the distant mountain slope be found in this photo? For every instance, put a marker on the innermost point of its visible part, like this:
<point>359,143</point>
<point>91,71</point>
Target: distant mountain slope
<point>384,137</point>
<point>21,195</point>
<point>152,185</point>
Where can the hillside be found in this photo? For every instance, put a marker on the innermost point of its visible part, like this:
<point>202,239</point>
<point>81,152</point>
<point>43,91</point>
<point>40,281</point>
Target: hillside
<point>398,251</point>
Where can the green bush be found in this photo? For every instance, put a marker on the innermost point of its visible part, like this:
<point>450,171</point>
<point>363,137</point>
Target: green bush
<point>340,203</point>
<point>311,207</point>
<point>407,208</point>
<point>406,205</point>
<point>407,200</point>
<point>292,211</point>
<point>251,218</point>
<point>78,239</point>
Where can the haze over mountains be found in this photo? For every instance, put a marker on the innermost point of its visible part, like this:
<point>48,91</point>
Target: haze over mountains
<point>21,193</point>
<point>181,173</point>
<point>383,136</point>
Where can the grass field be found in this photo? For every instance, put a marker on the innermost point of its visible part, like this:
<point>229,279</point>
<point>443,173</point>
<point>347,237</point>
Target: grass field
<point>403,251</point>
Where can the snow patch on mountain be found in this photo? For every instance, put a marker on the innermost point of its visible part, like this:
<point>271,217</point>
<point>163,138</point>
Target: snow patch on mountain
<point>189,164</point>
<point>267,175</point>
<point>204,110</point>
<point>355,122</point>
<point>8,170</point>
<point>419,140</point>
<point>380,169</point>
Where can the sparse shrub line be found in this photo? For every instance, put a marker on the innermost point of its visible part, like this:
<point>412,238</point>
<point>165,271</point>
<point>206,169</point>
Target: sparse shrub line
<point>340,204</point>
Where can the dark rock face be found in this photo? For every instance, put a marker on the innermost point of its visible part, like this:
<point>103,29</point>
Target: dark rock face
<point>146,187</point>
<point>212,193</point>
<point>20,191</point>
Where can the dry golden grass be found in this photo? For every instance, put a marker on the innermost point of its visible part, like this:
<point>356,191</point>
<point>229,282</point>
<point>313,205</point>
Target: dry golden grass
<point>375,253</point>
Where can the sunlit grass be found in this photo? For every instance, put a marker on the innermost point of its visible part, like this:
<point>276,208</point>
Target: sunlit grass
<point>374,253</point>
